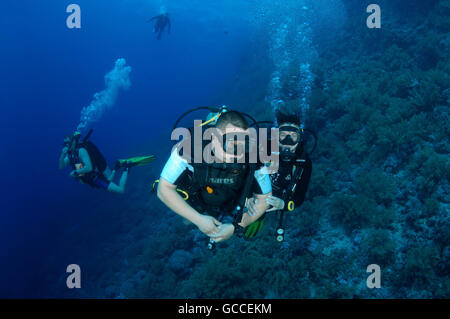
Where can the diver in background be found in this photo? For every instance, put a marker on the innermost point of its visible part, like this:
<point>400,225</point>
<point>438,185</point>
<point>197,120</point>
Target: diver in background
<point>290,182</point>
<point>162,21</point>
<point>292,158</point>
<point>89,166</point>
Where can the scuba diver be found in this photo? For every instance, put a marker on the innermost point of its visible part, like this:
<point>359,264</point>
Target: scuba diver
<point>162,20</point>
<point>290,182</point>
<point>215,195</point>
<point>90,167</point>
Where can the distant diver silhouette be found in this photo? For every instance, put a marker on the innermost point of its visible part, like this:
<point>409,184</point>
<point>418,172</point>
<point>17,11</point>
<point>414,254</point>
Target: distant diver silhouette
<point>162,21</point>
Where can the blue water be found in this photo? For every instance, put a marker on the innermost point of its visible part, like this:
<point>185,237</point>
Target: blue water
<point>50,72</point>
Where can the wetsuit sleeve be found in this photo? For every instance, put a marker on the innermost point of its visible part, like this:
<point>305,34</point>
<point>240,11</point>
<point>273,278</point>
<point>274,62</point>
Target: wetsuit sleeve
<point>302,186</point>
<point>175,166</point>
<point>263,184</point>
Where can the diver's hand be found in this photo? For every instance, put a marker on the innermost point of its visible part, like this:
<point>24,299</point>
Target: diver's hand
<point>65,150</point>
<point>251,206</point>
<point>208,225</point>
<point>275,202</point>
<point>73,174</point>
<point>225,232</point>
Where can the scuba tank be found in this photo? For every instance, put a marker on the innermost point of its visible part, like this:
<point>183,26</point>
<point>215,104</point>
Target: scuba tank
<point>97,158</point>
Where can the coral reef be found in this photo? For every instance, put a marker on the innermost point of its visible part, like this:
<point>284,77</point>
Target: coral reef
<point>379,192</point>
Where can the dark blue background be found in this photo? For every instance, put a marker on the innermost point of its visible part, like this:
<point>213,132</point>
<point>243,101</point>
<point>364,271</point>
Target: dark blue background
<point>49,72</point>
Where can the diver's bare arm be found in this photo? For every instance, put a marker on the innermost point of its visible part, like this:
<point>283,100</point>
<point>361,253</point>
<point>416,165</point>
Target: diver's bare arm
<point>261,207</point>
<point>86,160</point>
<point>167,193</point>
<point>63,159</point>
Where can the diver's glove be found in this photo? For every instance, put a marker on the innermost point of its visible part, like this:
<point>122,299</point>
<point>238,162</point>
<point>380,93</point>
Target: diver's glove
<point>117,166</point>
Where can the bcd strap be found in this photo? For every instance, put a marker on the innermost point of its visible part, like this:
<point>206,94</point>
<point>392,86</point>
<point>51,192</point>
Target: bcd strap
<point>287,193</point>
<point>293,184</point>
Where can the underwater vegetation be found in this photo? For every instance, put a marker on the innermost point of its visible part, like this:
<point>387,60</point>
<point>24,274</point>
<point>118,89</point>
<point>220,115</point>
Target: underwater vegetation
<point>379,192</point>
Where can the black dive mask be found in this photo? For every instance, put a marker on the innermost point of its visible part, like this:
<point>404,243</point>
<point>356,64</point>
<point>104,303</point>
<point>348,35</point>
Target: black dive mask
<point>288,140</point>
<point>72,142</point>
<point>68,143</point>
<point>286,155</point>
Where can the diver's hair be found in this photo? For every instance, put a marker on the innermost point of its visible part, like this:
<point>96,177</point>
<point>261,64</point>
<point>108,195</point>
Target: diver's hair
<point>233,118</point>
<point>282,118</point>
<point>68,136</point>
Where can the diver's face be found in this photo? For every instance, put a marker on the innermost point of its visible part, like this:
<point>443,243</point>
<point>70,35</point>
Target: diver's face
<point>289,140</point>
<point>67,142</point>
<point>233,143</point>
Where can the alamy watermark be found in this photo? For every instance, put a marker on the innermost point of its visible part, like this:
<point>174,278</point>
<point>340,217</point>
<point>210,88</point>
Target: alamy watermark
<point>74,279</point>
<point>74,19</point>
<point>374,20</point>
<point>374,279</point>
